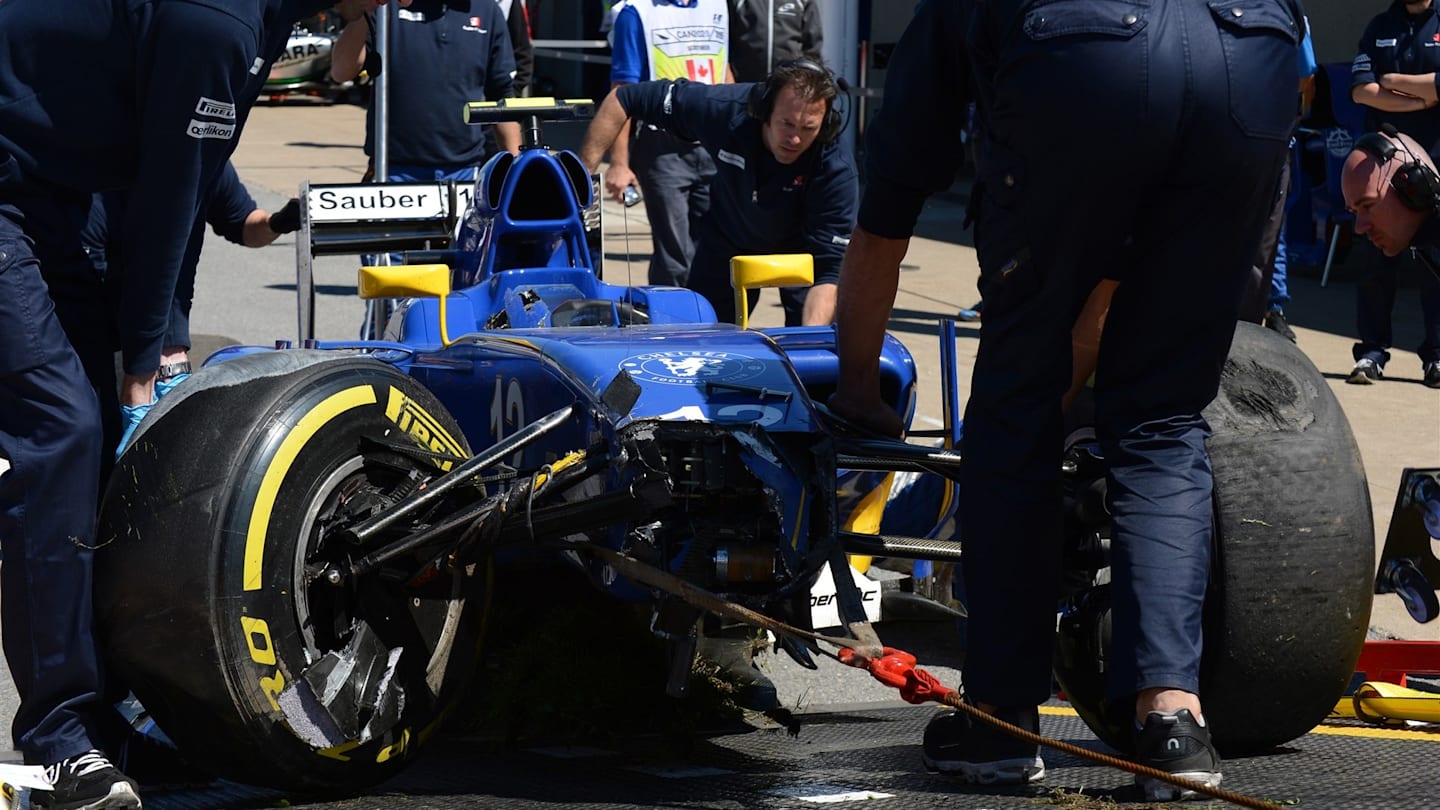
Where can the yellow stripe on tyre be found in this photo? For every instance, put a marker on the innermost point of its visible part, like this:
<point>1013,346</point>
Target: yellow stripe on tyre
<point>300,435</point>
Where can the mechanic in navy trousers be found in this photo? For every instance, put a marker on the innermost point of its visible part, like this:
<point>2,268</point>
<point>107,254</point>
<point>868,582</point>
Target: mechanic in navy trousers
<point>1134,141</point>
<point>150,96</point>
<point>785,181</point>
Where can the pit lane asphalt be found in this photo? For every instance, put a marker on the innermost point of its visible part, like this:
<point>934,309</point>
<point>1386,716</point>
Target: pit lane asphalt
<point>247,296</point>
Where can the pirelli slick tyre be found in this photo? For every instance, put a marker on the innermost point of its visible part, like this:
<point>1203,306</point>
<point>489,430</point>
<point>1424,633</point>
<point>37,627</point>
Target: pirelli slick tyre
<point>1290,585</point>
<point>214,526</point>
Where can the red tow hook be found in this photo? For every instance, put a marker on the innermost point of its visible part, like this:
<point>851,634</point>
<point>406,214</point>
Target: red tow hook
<point>897,668</point>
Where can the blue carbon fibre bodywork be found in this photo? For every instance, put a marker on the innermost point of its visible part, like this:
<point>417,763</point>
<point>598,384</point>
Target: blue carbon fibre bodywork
<point>534,329</point>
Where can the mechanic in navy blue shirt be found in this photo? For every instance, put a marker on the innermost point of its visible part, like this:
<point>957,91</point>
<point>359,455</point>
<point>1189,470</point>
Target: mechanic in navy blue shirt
<point>1112,146</point>
<point>784,182</point>
<point>88,302</point>
<point>1395,74</point>
<point>453,53</point>
<point>1394,221</point>
<point>146,95</point>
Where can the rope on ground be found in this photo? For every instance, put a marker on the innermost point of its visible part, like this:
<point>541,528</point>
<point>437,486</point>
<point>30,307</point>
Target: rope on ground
<point>894,668</point>
<point>897,668</point>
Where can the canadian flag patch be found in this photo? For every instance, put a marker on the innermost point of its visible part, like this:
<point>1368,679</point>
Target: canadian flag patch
<point>700,70</point>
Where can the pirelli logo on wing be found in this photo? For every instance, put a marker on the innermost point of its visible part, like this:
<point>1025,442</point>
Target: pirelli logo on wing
<point>421,427</point>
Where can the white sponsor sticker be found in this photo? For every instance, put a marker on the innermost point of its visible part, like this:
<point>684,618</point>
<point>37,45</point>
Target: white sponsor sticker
<point>842,241</point>
<point>730,157</point>
<point>215,109</point>
<point>210,129</point>
<point>257,66</point>
<point>825,602</point>
<point>1385,43</point>
<point>369,202</point>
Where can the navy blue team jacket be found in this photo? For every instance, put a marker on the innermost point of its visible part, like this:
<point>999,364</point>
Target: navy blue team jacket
<point>146,95</point>
<point>757,204</point>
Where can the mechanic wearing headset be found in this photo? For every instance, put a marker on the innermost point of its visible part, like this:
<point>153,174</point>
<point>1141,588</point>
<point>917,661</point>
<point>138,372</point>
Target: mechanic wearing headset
<point>1106,153</point>
<point>155,107</point>
<point>1389,182</point>
<point>1395,75</point>
<point>784,182</point>
<point>88,303</point>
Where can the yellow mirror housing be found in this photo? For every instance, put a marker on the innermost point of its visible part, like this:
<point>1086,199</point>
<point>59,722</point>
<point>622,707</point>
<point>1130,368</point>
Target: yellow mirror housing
<point>774,270</point>
<point>409,281</point>
<point>405,281</point>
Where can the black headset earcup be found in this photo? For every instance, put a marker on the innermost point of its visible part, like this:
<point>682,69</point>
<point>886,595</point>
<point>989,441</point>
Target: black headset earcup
<point>758,101</point>
<point>1417,186</point>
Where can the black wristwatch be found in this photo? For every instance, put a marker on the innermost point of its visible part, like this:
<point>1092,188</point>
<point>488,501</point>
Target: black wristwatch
<point>169,370</point>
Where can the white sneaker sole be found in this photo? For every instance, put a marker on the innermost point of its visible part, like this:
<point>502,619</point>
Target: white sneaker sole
<point>1001,772</point>
<point>1158,791</point>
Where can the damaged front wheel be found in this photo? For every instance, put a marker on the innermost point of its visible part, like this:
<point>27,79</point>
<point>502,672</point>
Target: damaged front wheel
<point>219,524</point>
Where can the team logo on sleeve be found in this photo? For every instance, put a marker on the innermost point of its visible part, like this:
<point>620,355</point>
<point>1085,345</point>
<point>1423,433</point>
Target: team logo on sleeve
<point>210,129</point>
<point>210,108</point>
<point>224,129</point>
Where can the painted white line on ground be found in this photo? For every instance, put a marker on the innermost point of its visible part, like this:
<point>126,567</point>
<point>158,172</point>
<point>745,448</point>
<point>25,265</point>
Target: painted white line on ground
<point>827,794</point>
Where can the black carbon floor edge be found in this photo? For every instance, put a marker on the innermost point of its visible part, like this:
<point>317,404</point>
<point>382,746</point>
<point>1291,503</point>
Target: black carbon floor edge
<point>867,754</point>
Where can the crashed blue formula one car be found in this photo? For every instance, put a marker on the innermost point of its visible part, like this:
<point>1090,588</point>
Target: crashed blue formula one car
<point>296,545</point>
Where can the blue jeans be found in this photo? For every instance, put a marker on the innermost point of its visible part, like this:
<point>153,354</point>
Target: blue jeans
<point>675,178</point>
<point>1122,156</point>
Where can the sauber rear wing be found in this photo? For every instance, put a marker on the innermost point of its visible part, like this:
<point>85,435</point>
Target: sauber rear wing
<point>384,218</point>
<point>357,218</point>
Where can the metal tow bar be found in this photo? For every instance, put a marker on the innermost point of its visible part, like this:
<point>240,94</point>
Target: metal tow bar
<point>895,668</point>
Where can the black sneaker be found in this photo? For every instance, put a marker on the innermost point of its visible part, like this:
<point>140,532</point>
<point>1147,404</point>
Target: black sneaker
<point>957,743</point>
<point>1432,374</point>
<point>1366,371</point>
<point>1180,745</point>
<point>1275,321</point>
<point>86,782</point>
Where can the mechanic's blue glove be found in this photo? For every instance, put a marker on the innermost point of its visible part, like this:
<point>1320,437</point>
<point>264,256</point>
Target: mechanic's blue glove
<point>165,386</point>
<point>131,416</point>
